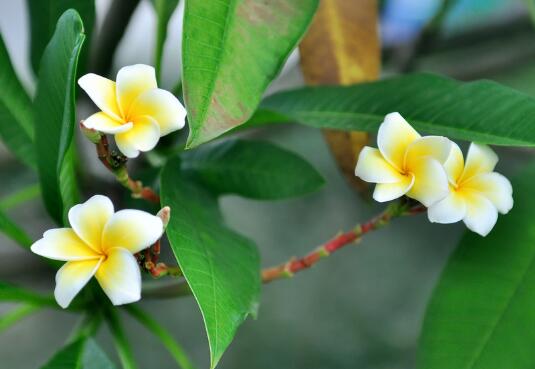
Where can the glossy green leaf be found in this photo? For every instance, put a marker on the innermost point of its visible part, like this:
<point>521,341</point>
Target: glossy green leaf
<point>164,11</point>
<point>482,313</point>
<point>83,353</point>
<point>12,293</point>
<point>255,169</point>
<point>482,111</point>
<point>221,267</point>
<point>16,121</point>
<point>55,115</point>
<point>44,15</point>
<point>13,231</point>
<point>232,50</point>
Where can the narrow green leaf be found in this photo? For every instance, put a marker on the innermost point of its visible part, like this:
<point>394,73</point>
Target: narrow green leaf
<point>11,293</point>
<point>44,15</point>
<point>232,50</point>
<point>17,314</point>
<point>165,337</point>
<point>119,338</point>
<point>221,267</point>
<point>164,11</point>
<point>20,196</point>
<point>83,353</point>
<point>482,111</point>
<point>13,231</point>
<point>255,169</point>
<point>482,313</point>
<point>55,114</point>
<point>16,124</point>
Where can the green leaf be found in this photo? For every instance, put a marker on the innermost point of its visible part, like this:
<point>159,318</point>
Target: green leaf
<point>16,124</point>
<point>255,169</point>
<point>20,196</point>
<point>43,17</point>
<point>163,335</point>
<point>13,231</point>
<point>481,111</point>
<point>120,340</point>
<point>17,314</point>
<point>221,267</point>
<point>11,293</point>
<point>232,50</point>
<point>55,115</point>
<point>83,353</point>
<point>482,313</point>
<point>164,11</point>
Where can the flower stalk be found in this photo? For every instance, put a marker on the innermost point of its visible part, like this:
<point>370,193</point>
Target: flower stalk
<point>116,164</point>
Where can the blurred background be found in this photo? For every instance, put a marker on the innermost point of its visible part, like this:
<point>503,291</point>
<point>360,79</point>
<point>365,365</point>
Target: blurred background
<point>363,308</point>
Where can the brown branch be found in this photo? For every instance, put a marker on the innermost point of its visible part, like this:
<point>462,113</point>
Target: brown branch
<point>116,164</point>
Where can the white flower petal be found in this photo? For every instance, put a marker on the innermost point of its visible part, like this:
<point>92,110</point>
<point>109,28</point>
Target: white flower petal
<point>131,82</point>
<point>494,187</point>
<point>394,137</point>
<point>454,165</point>
<point>119,277</point>
<point>88,220</point>
<point>102,122</point>
<point>143,136</point>
<point>102,91</point>
<point>132,229</point>
<point>389,191</point>
<point>436,147</point>
<point>372,167</point>
<point>163,107</point>
<point>430,181</point>
<point>480,159</point>
<point>448,210</point>
<point>71,278</point>
<point>63,244</point>
<point>481,215</point>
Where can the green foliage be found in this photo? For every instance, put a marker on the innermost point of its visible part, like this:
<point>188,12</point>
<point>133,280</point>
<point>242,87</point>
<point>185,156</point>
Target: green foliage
<point>255,169</point>
<point>11,293</point>
<point>83,353</point>
<point>232,49</point>
<point>13,231</point>
<point>16,127</point>
<point>481,111</point>
<point>44,15</point>
<point>164,11</point>
<point>220,266</point>
<point>55,115</point>
<point>17,314</point>
<point>119,338</point>
<point>482,312</point>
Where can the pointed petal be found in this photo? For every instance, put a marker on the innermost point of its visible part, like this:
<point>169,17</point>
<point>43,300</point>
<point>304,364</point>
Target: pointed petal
<point>481,215</point>
<point>372,167</point>
<point>390,191</point>
<point>102,91</point>
<point>436,147</point>
<point>430,181</point>
<point>449,210</point>
<point>119,277</point>
<point>102,122</point>
<point>72,277</point>
<point>88,220</point>
<point>132,229</point>
<point>480,159</point>
<point>394,137</point>
<point>454,165</point>
<point>494,187</point>
<point>163,107</point>
<point>132,81</point>
<point>63,244</point>
<point>143,136</point>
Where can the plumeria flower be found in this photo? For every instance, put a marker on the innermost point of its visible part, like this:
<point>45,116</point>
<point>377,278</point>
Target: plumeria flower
<point>405,163</point>
<point>477,193</point>
<point>101,243</point>
<point>133,108</point>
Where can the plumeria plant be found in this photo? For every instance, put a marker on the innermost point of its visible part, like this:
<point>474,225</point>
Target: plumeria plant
<point>170,154</point>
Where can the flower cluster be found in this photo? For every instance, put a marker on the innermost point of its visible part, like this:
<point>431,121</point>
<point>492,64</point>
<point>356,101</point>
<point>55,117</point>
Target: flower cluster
<point>432,170</point>
<point>101,243</point>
